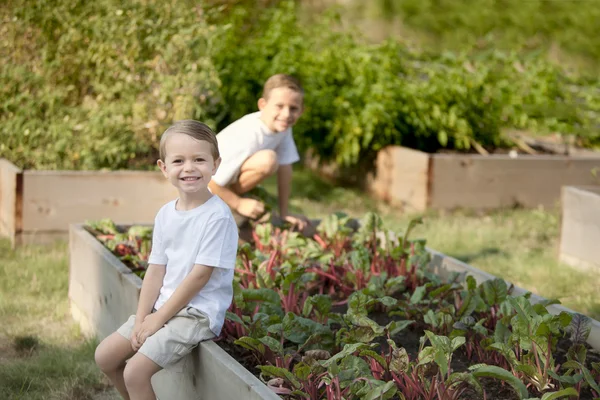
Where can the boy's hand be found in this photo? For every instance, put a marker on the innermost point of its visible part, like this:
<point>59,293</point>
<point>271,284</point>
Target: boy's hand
<point>298,221</point>
<point>250,208</point>
<point>151,324</point>
<point>135,345</point>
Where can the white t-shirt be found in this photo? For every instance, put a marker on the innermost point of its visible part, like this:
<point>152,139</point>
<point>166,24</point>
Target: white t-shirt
<point>245,137</point>
<point>205,235</point>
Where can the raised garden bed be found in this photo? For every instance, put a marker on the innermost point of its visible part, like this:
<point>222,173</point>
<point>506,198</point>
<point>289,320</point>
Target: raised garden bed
<point>415,180</point>
<point>344,313</point>
<point>580,231</point>
<point>103,292</point>
<point>38,206</point>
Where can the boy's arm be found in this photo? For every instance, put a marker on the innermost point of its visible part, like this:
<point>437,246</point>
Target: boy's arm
<point>284,188</point>
<point>188,288</point>
<point>151,285</point>
<point>246,207</point>
<point>227,195</point>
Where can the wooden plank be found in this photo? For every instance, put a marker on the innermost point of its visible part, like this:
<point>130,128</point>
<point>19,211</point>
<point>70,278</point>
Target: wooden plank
<point>402,177</point>
<point>54,199</point>
<point>486,182</point>
<point>580,230</point>
<point>103,289</point>
<point>10,181</point>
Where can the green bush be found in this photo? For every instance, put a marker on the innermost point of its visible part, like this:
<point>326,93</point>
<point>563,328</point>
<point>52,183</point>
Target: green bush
<point>361,97</point>
<point>89,85</point>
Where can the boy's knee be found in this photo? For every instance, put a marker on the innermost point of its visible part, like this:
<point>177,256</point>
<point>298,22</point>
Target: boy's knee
<point>102,359</point>
<point>131,377</point>
<point>269,162</point>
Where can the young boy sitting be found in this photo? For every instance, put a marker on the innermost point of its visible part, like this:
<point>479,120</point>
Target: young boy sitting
<point>259,144</point>
<point>188,284</point>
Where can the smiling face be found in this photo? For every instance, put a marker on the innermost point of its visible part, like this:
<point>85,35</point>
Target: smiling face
<point>188,164</point>
<point>281,109</point>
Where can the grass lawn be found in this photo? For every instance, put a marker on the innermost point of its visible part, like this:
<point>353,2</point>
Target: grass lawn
<point>44,356</point>
<point>42,353</point>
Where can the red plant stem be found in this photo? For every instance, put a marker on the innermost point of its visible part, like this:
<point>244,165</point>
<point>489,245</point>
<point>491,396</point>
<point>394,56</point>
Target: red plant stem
<point>271,263</point>
<point>320,240</point>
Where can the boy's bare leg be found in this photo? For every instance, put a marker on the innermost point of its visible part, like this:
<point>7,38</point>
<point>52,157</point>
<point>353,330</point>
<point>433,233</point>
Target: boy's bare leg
<point>138,374</point>
<point>110,356</point>
<point>255,169</point>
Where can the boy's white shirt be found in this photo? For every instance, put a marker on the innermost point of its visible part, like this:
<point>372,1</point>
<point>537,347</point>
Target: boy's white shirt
<point>246,136</point>
<point>205,235</point>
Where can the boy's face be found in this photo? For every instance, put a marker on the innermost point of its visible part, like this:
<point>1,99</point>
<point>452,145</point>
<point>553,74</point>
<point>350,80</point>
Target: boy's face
<point>188,164</point>
<point>281,110</point>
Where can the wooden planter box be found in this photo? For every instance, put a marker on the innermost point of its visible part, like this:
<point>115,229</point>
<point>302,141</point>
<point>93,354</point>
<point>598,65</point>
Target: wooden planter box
<point>580,230</point>
<point>103,292</point>
<point>417,181</point>
<point>38,206</point>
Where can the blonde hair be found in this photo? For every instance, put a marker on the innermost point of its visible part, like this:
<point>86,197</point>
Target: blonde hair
<point>281,81</point>
<point>194,129</point>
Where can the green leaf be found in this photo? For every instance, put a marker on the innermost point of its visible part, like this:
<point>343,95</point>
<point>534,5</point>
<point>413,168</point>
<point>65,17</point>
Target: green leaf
<point>251,344</point>
<point>266,295</point>
<point>471,283</point>
<point>590,379</point>
<point>418,294</point>
<point>502,333</point>
<point>233,317</point>
<point>396,327</point>
<point>382,391</point>
<point>302,371</point>
<point>346,351</point>
<point>468,306</point>
<point>441,359</point>
<point>561,393</point>
<point>298,329</point>
<point>457,342</point>
<point>491,371</point>
<point>456,378</point>
<point>400,361</point>
<point>273,344</point>
<point>494,291</point>
<point>580,328</point>
<point>277,372</point>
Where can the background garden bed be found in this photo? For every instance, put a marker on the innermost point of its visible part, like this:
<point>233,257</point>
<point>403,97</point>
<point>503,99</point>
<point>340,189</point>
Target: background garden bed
<point>38,206</point>
<point>416,181</point>
<point>580,232</point>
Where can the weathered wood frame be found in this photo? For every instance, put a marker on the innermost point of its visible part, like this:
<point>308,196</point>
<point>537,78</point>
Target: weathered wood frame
<point>419,181</point>
<point>38,206</point>
<point>580,227</point>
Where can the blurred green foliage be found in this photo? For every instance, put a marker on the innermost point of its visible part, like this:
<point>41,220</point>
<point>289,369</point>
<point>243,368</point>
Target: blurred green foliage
<point>500,24</point>
<point>89,85</point>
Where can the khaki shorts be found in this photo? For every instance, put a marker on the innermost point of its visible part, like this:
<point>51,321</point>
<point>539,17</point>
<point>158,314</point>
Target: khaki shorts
<point>176,339</point>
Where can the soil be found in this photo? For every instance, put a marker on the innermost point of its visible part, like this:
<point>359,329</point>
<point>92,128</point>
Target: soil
<point>410,340</point>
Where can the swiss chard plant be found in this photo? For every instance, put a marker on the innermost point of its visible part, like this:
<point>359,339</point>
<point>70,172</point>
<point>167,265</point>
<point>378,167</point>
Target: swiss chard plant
<point>339,316</point>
